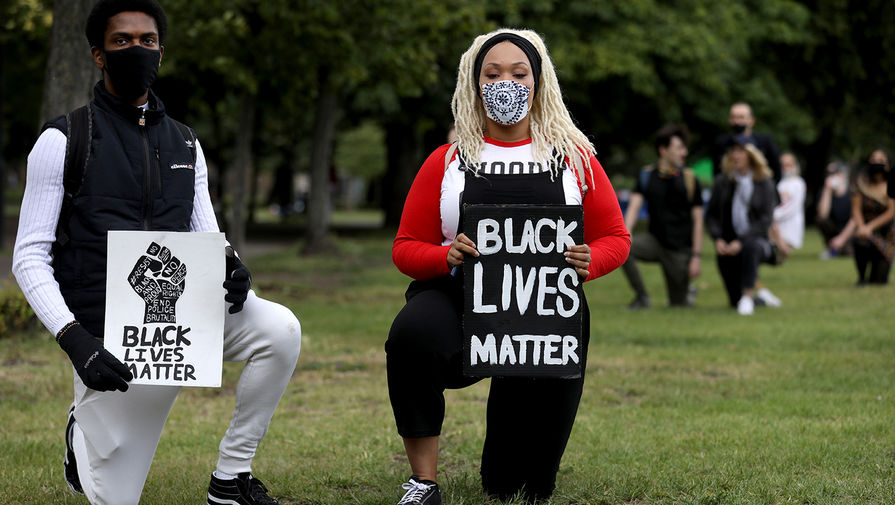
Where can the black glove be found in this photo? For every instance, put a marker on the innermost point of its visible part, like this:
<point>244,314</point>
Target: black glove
<point>238,281</point>
<point>96,367</point>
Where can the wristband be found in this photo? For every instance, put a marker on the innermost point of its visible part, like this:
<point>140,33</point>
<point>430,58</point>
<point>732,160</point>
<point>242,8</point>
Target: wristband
<point>65,329</point>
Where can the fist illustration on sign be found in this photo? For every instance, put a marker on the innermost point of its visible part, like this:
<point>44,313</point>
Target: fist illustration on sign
<point>159,278</point>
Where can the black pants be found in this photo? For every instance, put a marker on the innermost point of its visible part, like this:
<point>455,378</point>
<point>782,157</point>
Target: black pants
<point>866,254</point>
<point>529,420</point>
<point>741,271</point>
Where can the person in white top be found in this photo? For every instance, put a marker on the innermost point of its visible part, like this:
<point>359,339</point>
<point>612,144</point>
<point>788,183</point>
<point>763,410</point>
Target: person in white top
<point>788,228</point>
<point>59,262</point>
<point>789,215</point>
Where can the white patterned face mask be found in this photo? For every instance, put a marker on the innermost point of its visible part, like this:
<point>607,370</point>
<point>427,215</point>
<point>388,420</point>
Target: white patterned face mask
<point>506,102</point>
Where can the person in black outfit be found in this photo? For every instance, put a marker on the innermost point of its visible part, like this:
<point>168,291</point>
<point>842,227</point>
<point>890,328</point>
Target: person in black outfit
<point>738,217</point>
<point>833,217</point>
<point>674,200</point>
<point>741,123</point>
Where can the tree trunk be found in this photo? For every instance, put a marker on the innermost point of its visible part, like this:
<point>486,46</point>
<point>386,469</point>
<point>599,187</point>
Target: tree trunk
<point>319,205</point>
<point>236,230</point>
<point>253,188</point>
<point>2,162</point>
<point>71,72</point>
<point>814,171</point>
<point>404,145</point>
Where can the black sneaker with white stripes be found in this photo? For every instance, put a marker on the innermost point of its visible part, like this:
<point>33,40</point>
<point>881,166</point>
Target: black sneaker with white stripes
<point>69,463</point>
<point>243,490</point>
<point>420,492</point>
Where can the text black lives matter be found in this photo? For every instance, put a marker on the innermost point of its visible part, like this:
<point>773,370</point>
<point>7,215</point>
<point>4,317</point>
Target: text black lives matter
<point>523,301</point>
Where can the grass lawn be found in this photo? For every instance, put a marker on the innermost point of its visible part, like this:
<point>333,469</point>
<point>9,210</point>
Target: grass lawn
<point>794,405</point>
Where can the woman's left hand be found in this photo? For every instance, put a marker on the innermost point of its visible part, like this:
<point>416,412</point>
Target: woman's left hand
<point>579,257</point>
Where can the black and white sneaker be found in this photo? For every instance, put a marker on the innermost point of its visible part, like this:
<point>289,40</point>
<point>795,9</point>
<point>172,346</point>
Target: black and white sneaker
<point>420,492</point>
<point>69,463</point>
<point>243,490</point>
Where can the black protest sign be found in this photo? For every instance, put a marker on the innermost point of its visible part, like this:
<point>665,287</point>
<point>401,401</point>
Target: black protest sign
<point>522,300</point>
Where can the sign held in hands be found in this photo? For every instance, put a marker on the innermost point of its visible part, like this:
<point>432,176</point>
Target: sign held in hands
<point>165,306</point>
<point>522,300</point>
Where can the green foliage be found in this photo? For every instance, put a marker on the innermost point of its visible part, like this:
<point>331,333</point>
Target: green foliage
<point>24,16</point>
<point>820,74</point>
<point>361,151</point>
<point>15,313</point>
<point>842,76</point>
<point>24,38</point>
<point>628,66</point>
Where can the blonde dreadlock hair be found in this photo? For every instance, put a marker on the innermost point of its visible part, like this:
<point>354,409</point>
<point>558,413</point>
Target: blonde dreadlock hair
<point>553,133</point>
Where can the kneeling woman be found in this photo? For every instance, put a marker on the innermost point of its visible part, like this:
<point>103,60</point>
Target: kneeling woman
<point>532,130</point>
<point>739,215</point>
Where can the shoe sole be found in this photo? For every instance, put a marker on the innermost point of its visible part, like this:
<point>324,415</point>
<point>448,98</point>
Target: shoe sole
<point>69,463</point>
<point>212,500</point>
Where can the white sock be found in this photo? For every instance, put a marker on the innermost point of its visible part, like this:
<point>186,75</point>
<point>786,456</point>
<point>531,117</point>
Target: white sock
<point>224,476</point>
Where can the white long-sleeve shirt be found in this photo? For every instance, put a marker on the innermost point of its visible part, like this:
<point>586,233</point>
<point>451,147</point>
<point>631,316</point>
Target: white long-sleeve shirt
<point>44,191</point>
<point>790,214</point>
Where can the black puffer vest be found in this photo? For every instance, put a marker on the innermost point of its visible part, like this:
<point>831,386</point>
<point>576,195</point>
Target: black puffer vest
<point>139,176</point>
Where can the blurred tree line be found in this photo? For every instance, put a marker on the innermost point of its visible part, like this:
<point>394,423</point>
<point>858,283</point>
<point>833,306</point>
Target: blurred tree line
<point>282,85</point>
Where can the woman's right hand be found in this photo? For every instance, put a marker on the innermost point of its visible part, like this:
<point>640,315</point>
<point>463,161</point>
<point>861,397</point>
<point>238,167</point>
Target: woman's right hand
<point>734,247</point>
<point>721,247</point>
<point>460,246</point>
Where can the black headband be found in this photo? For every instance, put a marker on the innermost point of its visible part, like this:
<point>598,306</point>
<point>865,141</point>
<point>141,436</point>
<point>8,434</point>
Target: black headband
<point>527,47</point>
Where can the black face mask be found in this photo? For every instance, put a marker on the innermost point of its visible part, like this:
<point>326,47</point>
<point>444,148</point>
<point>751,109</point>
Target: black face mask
<point>738,128</point>
<point>132,70</point>
<point>875,169</point>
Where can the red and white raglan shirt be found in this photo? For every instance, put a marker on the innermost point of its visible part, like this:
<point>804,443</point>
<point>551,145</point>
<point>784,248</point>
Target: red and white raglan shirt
<point>432,210</point>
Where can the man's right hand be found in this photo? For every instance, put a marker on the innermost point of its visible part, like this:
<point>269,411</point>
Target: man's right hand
<point>96,366</point>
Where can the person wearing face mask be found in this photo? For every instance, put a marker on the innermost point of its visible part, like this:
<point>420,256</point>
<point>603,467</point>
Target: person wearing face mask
<point>833,217</point>
<point>873,211</point>
<point>789,215</point>
<point>142,171</point>
<point>674,201</point>
<point>516,144</point>
<point>742,124</point>
<point>738,217</point>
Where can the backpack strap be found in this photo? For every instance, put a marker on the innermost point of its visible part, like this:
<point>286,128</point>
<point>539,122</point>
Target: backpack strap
<point>449,155</point>
<point>78,128</point>
<point>689,183</point>
<point>189,137</point>
<point>644,175</point>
